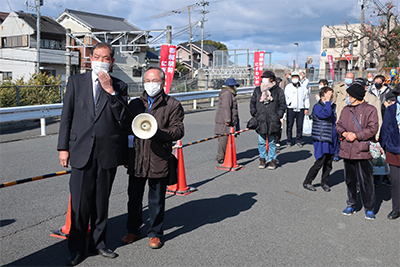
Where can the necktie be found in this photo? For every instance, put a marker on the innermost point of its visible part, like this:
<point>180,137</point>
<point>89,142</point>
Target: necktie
<point>97,93</point>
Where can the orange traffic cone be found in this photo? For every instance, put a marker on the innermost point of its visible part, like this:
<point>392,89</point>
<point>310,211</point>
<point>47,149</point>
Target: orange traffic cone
<point>230,162</point>
<point>181,187</point>
<point>63,232</point>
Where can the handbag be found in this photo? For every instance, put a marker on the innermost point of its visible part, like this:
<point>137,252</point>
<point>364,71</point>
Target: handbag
<point>252,123</point>
<point>374,147</point>
<point>173,170</point>
<point>307,125</point>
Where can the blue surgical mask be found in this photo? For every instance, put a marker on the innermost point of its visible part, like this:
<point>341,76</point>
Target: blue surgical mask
<point>348,102</point>
<point>398,98</point>
<point>348,81</point>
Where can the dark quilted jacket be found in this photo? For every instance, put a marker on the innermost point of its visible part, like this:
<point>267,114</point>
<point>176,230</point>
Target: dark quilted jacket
<point>322,127</point>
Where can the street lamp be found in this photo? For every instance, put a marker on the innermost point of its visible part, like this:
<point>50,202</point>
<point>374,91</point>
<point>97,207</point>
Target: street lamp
<point>297,54</point>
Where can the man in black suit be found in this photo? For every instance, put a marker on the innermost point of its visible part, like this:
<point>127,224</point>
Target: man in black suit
<point>89,138</point>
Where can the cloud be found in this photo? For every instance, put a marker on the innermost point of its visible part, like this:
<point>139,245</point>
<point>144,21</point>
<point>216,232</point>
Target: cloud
<point>268,25</point>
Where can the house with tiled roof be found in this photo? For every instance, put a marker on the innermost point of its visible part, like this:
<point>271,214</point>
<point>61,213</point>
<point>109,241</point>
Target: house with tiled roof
<point>18,46</point>
<point>87,29</point>
<point>183,55</point>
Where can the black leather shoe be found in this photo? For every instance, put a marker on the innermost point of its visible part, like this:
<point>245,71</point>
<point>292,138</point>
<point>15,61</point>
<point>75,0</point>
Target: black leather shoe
<point>309,187</point>
<point>394,215</point>
<point>75,258</point>
<point>326,188</point>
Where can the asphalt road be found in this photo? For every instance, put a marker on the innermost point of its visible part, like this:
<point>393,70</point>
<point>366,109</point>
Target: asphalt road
<point>251,217</point>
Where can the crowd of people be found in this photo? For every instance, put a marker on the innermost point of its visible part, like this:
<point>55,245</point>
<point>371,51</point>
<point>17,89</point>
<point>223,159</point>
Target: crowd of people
<point>96,136</point>
<point>347,119</point>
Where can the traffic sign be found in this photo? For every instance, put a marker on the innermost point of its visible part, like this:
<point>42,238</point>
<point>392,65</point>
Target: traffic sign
<point>348,57</point>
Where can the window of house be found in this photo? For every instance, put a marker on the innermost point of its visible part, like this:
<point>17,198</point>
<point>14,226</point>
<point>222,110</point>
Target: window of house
<point>6,75</point>
<point>14,41</point>
<point>332,42</point>
<point>50,44</point>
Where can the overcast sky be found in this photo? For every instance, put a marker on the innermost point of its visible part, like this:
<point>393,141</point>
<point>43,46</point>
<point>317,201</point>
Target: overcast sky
<point>269,25</point>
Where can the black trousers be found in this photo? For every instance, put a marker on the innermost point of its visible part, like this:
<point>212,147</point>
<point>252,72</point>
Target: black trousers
<point>395,189</point>
<point>90,189</point>
<point>324,162</point>
<point>360,171</point>
<point>297,116</point>
<point>156,200</point>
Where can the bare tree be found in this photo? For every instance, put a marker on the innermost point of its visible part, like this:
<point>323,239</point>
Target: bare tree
<point>380,41</point>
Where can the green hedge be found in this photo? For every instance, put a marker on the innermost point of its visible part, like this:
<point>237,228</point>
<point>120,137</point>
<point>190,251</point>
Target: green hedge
<point>40,89</point>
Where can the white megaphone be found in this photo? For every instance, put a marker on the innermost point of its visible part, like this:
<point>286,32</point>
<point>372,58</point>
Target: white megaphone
<point>144,126</point>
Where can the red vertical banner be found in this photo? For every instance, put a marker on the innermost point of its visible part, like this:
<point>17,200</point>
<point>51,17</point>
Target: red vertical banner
<point>258,66</point>
<point>330,60</point>
<point>167,63</point>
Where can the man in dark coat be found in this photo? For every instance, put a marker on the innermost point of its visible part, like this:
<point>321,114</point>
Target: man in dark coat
<point>89,138</point>
<point>148,159</point>
<point>268,105</point>
<point>227,115</point>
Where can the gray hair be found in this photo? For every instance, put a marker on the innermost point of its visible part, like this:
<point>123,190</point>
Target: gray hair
<point>162,75</point>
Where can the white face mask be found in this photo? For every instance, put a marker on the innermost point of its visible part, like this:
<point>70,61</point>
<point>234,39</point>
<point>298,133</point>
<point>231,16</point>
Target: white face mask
<point>97,66</point>
<point>320,86</point>
<point>295,80</point>
<point>152,89</point>
<point>265,80</point>
<point>370,80</point>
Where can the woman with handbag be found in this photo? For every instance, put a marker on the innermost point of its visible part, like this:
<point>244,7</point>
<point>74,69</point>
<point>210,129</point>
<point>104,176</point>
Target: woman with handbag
<point>267,105</point>
<point>390,141</point>
<point>357,126</point>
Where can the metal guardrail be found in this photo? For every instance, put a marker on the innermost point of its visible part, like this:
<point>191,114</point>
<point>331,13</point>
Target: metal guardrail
<point>42,112</point>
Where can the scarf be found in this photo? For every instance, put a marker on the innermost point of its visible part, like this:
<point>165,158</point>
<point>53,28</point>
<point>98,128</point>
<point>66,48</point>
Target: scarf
<point>230,88</point>
<point>265,93</point>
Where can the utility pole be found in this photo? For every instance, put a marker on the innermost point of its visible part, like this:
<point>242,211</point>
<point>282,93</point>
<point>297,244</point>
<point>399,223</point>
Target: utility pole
<point>361,67</point>
<point>203,3</point>
<point>68,54</point>
<point>169,34</point>
<point>190,44</point>
<point>38,4</point>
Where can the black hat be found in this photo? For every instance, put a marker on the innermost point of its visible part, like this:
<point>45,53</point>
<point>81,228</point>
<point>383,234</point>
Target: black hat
<point>391,96</point>
<point>268,74</point>
<point>357,91</point>
<point>360,81</point>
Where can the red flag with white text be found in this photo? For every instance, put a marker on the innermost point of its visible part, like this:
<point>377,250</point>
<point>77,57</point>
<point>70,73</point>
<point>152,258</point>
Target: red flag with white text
<point>258,66</point>
<point>167,63</point>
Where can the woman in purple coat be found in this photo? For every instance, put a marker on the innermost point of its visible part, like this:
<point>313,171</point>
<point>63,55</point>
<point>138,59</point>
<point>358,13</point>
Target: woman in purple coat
<point>325,139</point>
<point>357,126</point>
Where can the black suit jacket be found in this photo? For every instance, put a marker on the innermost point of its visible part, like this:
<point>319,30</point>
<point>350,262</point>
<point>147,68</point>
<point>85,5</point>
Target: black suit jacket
<point>80,129</point>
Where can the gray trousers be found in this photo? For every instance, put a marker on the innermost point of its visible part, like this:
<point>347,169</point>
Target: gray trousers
<point>222,143</point>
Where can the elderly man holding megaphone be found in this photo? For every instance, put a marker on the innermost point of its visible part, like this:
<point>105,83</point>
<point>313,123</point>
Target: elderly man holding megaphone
<point>155,120</point>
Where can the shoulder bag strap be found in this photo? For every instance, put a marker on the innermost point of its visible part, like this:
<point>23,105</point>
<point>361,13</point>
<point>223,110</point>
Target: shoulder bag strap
<point>358,125</point>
